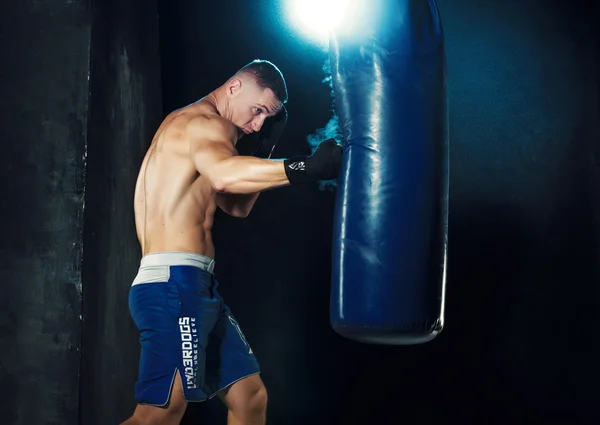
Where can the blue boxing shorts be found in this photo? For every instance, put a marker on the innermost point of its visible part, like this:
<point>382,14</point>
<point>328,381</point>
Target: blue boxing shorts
<point>186,328</point>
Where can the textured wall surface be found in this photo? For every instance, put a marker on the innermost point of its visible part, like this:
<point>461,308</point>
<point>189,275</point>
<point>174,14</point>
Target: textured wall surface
<point>125,109</point>
<point>44,72</point>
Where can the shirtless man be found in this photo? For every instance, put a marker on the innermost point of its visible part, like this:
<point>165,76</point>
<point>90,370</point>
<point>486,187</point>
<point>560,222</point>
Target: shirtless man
<point>192,348</point>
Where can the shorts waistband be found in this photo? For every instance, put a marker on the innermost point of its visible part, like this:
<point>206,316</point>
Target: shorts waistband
<point>178,259</point>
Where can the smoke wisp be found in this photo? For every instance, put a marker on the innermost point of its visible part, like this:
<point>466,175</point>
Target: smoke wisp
<point>331,130</point>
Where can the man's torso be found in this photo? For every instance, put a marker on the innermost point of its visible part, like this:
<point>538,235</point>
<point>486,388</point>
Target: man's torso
<point>174,205</point>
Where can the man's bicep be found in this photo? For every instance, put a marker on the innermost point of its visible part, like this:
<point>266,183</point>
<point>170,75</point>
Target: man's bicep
<point>209,144</point>
<point>208,153</point>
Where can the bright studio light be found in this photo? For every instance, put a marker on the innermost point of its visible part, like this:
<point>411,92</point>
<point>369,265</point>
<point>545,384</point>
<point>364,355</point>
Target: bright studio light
<point>318,17</point>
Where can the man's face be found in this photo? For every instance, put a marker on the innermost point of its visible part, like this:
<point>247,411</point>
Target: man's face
<point>251,105</point>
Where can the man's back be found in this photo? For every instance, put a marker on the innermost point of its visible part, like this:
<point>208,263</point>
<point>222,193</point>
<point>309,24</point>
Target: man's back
<point>174,205</point>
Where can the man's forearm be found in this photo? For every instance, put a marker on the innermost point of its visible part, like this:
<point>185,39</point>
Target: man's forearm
<point>246,175</point>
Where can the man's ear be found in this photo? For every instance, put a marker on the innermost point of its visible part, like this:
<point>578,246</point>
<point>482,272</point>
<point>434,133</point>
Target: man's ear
<point>234,86</point>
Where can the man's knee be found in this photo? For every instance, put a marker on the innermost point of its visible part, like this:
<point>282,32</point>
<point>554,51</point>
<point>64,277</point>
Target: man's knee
<point>248,397</point>
<point>253,402</point>
<point>257,401</point>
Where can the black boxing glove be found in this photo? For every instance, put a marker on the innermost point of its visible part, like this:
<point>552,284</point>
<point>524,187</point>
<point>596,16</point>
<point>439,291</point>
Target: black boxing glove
<point>324,164</point>
<point>270,133</point>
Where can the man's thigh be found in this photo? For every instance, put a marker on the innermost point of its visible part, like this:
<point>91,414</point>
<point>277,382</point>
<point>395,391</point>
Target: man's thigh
<point>229,356</point>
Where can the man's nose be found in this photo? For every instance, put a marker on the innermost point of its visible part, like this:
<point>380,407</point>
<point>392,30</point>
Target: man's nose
<point>257,124</point>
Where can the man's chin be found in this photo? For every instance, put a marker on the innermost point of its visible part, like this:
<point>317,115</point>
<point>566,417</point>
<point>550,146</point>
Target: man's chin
<point>242,132</point>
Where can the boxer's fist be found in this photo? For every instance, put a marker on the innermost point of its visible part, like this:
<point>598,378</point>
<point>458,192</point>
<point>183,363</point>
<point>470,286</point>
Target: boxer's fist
<point>324,164</point>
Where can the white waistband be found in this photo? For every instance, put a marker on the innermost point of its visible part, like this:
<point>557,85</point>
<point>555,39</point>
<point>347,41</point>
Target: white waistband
<point>178,259</point>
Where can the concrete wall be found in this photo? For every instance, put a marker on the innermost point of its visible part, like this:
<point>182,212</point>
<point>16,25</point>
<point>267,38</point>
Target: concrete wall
<point>44,46</point>
<point>80,100</point>
<point>125,110</point>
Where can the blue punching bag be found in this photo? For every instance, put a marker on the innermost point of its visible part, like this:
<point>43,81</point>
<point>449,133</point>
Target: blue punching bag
<point>390,223</point>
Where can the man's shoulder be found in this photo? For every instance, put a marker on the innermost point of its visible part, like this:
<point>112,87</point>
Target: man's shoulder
<point>212,127</point>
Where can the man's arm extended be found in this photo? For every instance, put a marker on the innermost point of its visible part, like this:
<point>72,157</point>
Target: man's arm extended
<point>215,158</point>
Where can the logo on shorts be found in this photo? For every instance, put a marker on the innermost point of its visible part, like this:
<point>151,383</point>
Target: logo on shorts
<point>189,349</point>
<point>240,333</point>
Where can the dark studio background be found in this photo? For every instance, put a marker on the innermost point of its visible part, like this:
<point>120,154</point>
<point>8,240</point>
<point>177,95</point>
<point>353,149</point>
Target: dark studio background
<point>83,87</point>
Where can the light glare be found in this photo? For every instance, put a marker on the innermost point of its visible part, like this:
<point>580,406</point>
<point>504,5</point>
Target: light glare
<point>319,17</point>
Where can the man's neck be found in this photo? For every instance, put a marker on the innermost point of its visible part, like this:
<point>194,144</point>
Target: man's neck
<point>220,102</point>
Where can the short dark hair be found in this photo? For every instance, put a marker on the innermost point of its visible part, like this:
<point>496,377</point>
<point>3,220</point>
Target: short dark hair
<point>267,76</point>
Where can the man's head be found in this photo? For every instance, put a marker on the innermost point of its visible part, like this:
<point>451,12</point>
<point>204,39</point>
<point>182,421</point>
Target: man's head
<point>256,92</point>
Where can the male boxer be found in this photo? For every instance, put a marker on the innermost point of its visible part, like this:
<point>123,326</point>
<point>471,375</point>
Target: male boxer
<point>192,348</point>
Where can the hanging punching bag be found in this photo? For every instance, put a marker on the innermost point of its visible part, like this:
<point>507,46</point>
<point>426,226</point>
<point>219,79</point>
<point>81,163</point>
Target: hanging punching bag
<point>390,223</point>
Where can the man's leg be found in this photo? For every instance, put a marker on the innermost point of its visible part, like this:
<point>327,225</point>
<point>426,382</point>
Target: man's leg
<point>170,414</point>
<point>232,373</point>
<point>246,401</point>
